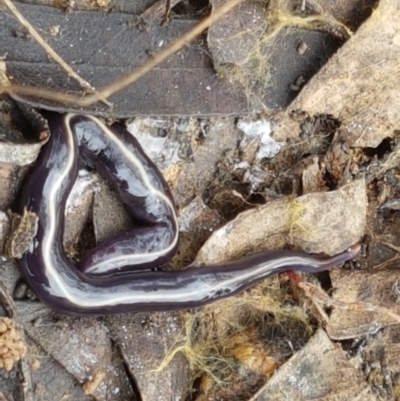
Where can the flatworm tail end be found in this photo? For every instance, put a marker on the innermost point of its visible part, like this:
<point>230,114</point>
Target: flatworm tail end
<point>354,250</point>
<point>340,258</point>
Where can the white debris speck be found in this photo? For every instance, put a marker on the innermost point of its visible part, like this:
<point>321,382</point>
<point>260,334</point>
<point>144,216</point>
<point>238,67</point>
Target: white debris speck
<point>262,129</point>
<point>189,213</point>
<point>162,150</point>
<point>82,183</point>
<point>241,165</point>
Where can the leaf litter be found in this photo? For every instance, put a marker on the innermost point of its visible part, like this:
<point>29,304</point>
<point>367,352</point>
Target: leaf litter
<point>337,137</point>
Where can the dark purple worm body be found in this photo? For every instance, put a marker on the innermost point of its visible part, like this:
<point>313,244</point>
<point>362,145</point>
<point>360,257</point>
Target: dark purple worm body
<point>117,155</point>
<point>102,284</point>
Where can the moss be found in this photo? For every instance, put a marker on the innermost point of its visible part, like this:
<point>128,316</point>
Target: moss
<point>11,346</point>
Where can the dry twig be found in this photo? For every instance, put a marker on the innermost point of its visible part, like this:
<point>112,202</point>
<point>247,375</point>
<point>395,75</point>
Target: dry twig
<point>58,59</point>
